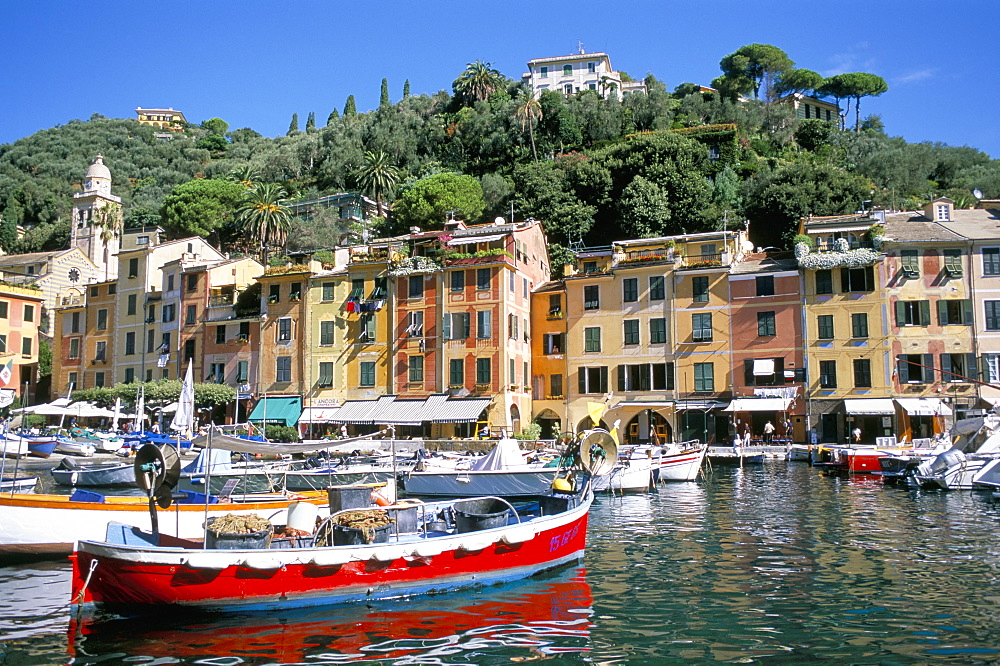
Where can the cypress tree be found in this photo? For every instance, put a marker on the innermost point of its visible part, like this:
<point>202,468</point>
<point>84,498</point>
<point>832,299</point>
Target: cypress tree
<point>384,98</point>
<point>311,121</point>
<point>293,127</point>
<point>349,108</point>
<point>333,116</point>
<point>406,89</point>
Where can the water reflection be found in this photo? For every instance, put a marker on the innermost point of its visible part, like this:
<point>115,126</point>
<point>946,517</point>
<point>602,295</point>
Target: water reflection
<point>530,620</point>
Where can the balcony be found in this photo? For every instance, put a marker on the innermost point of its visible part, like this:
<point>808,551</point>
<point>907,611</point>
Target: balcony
<point>219,313</point>
<point>369,256</point>
<point>649,256</point>
<point>222,301</point>
<point>713,260</point>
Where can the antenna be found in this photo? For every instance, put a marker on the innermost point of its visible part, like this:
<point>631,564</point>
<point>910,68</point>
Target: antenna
<point>978,193</point>
<point>579,46</point>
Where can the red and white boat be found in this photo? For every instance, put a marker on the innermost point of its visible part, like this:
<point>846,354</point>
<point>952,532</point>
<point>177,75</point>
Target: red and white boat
<point>435,557</point>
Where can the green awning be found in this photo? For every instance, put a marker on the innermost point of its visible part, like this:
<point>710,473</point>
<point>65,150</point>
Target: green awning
<point>277,410</point>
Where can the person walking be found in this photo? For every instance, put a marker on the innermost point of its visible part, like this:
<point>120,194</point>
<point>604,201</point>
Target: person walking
<point>768,433</point>
<point>746,435</point>
<point>857,434</point>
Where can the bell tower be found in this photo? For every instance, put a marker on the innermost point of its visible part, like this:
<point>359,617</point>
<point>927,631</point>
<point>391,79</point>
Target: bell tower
<point>97,219</point>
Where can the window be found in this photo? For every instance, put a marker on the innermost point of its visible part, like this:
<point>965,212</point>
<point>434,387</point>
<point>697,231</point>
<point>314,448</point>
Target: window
<point>357,289</point>
<point>457,280</point>
<point>824,327</point>
<point>112,289</point>
<point>483,278</point>
<point>630,290</point>
<point>543,72</point>
<point>130,306</point>
<point>991,368</point>
<point>656,290</point>
<point>484,324</point>
<point>992,315</point>
<point>95,291</point>
<point>188,348</point>
<point>765,324</point>
<point>169,312</point>
<point>590,267</point>
<point>657,331</point>
<point>663,376</point>
<point>74,348</point>
<point>129,375</point>
<point>765,285</point>
<point>98,379</point>
<point>150,314</point>
<point>150,336</point>
<point>284,329</point>
<point>328,291</point>
<point>244,335</point>
<point>456,325</point>
<point>242,371</point>
<point>456,372</point>
<point>913,313</point>
<point>525,287</point>
<point>701,326</point>
<point>991,261</point>
<point>555,305</point>
<point>593,379</point>
<point>941,212</point>
<point>416,289</point>
<point>857,279</point>
<point>592,339</point>
<point>862,373</point>
<point>828,374</point>
<point>591,67</point>
<point>511,374</point>
<point>859,325</point>
<point>102,319</point>
<point>74,380</point>
<point>956,311</point>
<point>295,291</point>
<point>555,386</point>
<point>3,309</point>
<point>764,372</point>
<point>192,282</point>
<point>367,373</point>
<point>567,70</point>
<point>326,332</point>
<point>29,313</point>
<point>191,315</point>
<point>910,263</point>
<point>142,240</point>
<point>958,367</point>
<point>512,281</point>
<point>416,369</point>
<point>699,289</point>
<point>915,368</point>
<point>824,281</point>
<point>415,324</point>
<point>133,268</point>
<point>631,331</point>
<point>568,88</point>
<point>953,263</point>
<point>74,323</point>
<point>220,334</point>
<point>591,297</point>
<point>170,282</point>
<point>274,293</point>
<point>283,369</point>
<point>101,350</point>
<point>129,343</point>
<point>26,346</point>
<point>552,343</point>
<point>704,377</point>
<point>484,371</point>
<point>366,324</point>
<point>216,373</point>
<point>512,320</point>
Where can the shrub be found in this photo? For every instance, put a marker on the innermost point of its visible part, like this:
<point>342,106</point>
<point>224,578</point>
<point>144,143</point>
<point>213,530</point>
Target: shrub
<point>277,433</point>
<point>809,241</point>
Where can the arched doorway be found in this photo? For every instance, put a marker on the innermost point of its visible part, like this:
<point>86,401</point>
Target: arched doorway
<point>648,427</point>
<point>515,420</point>
<point>550,422</point>
<point>588,424</point>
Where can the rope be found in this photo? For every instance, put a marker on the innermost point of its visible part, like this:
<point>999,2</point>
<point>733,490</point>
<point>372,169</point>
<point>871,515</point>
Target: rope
<point>79,598</point>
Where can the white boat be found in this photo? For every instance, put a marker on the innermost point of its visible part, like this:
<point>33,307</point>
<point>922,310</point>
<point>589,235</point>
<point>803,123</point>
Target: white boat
<point>957,469</point>
<point>799,452</point>
<point>13,446</point>
<point>680,462</point>
<point>72,447</point>
<point>22,484</point>
<point>101,474</point>
<point>630,475</point>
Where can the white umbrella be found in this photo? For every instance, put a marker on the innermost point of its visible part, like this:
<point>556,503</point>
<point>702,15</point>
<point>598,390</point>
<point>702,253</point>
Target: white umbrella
<point>87,409</point>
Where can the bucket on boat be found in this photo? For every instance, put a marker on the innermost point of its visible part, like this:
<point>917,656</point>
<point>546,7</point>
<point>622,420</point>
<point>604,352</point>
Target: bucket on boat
<point>349,497</point>
<point>481,514</point>
<point>228,541</point>
<point>302,516</point>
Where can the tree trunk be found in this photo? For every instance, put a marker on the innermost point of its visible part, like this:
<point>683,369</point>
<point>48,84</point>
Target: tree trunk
<point>531,133</point>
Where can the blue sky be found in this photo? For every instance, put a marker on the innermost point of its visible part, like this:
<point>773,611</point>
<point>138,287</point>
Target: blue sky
<point>254,63</point>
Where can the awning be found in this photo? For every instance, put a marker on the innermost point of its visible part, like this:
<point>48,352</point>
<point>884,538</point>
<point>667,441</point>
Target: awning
<point>318,414</point>
<point>277,410</point>
<point>924,406</point>
<point>357,412</point>
<point>467,240</point>
<point>763,367</point>
<point>461,410</point>
<point>640,404</point>
<point>389,410</point>
<point>700,405</point>
<point>758,404</point>
<point>869,406</point>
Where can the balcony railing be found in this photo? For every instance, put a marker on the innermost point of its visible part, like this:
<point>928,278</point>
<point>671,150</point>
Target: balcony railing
<point>221,301</point>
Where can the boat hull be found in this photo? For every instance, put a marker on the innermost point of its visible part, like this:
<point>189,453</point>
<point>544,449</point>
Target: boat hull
<point>682,466</point>
<point>105,476</point>
<point>153,578</point>
<point>502,483</point>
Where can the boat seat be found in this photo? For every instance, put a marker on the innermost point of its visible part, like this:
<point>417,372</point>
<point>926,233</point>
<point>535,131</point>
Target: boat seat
<point>129,535</point>
<point>81,495</point>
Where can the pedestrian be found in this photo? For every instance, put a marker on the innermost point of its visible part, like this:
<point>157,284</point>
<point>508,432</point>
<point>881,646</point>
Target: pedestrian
<point>768,433</point>
<point>155,428</point>
<point>788,429</point>
<point>746,435</point>
<point>857,434</point>
<point>343,431</point>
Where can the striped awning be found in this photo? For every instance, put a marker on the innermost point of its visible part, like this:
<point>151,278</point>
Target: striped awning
<point>390,410</point>
<point>869,406</point>
<point>468,240</point>
<point>758,405</point>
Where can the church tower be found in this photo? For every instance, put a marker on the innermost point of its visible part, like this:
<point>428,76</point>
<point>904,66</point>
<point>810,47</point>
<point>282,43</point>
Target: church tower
<point>97,219</point>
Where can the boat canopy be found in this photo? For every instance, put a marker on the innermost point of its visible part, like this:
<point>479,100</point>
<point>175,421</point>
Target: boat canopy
<point>277,410</point>
<point>758,405</point>
<point>505,455</point>
<point>869,406</point>
<point>924,406</point>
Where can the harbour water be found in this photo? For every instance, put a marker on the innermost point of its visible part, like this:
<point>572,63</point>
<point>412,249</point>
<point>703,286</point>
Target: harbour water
<point>773,563</point>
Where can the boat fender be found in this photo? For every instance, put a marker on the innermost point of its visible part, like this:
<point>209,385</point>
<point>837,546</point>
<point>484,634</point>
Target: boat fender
<point>205,561</point>
<point>429,549</point>
<point>379,499</point>
<point>331,558</point>
<point>513,537</point>
<point>390,553</point>
<point>262,562</point>
<point>73,478</point>
<point>473,545</point>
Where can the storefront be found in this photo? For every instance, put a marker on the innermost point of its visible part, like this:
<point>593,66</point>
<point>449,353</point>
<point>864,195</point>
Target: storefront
<point>922,418</point>
<point>872,417</point>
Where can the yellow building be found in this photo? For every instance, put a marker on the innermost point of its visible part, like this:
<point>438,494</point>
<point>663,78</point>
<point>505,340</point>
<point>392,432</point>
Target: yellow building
<point>168,119</point>
<point>81,353</point>
<point>327,343</point>
<point>20,312</point>
<point>549,358</point>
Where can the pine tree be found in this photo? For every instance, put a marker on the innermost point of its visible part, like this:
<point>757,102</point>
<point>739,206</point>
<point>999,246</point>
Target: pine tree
<point>349,108</point>
<point>383,101</point>
<point>293,127</point>
<point>406,89</point>
<point>311,121</point>
<point>333,116</point>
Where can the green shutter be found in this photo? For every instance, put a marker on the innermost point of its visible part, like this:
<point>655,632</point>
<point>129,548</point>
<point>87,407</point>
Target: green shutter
<point>942,310</point>
<point>446,326</point>
<point>604,379</point>
<point>903,370</point>
<point>928,369</point>
<point>945,367</point>
<point>845,279</point>
<point>621,377</point>
<point>900,312</point>
<point>748,377</point>
<point>925,313</point>
<point>583,380</point>
<point>967,307</point>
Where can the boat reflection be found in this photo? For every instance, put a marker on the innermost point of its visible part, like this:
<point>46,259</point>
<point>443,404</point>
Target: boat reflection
<point>533,619</point>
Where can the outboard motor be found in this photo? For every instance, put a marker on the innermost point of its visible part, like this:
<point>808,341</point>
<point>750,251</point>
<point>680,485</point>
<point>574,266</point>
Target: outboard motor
<point>941,462</point>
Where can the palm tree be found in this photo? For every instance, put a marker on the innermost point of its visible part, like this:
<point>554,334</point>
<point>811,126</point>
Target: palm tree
<point>263,216</point>
<point>529,112</point>
<point>378,175</point>
<point>477,82</point>
<point>247,175</point>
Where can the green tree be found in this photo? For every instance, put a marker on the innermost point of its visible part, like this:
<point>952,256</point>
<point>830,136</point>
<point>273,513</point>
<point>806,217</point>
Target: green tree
<point>383,100</point>
<point>215,126</point>
<point>477,82</point>
<point>378,176</point>
<point>216,143</point>
<point>428,201</point>
<point>264,217</point>
<point>529,112</point>
<point>796,80</point>
<point>311,122</point>
<point>201,207</point>
<point>44,358</point>
<point>350,108</point>
<point>8,234</point>
<point>855,85</point>
<point>332,117</point>
<point>753,66</point>
<point>293,127</point>
<point>406,89</point>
